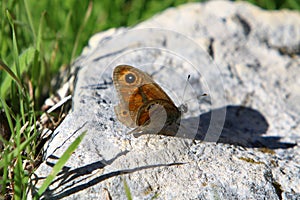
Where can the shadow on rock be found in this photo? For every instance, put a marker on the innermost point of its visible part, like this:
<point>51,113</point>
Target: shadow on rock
<point>243,126</point>
<point>67,177</point>
<point>69,181</point>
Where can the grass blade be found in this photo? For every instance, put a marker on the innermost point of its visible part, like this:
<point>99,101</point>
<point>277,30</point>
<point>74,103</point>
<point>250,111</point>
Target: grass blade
<point>17,151</point>
<point>29,16</point>
<point>127,190</point>
<point>81,28</point>
<point>4,67</point>
<point>59,165</point>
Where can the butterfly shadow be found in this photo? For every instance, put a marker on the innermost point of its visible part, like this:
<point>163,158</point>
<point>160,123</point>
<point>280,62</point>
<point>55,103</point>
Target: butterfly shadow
<point>243,126</point>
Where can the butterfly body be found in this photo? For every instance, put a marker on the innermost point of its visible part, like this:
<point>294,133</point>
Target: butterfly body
<point>143,103</point>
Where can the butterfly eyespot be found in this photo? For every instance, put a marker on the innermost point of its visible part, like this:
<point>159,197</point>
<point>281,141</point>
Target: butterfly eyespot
<point>130,78</point>
<point>124,113</point>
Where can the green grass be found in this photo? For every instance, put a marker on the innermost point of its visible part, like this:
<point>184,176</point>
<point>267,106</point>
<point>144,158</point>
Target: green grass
<point>127,190</point>
<point>38,38</point>
<point>277,4</point>
<point>59,165</point>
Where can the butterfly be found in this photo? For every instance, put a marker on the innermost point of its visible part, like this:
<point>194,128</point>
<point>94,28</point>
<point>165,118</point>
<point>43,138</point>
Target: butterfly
<point>143,104</point>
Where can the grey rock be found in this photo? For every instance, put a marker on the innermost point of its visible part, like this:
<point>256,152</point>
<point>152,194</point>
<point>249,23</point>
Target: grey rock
<point>239,142</point>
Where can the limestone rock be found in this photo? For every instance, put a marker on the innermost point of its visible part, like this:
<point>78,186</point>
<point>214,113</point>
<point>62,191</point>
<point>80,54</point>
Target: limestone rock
<point>241,141</point>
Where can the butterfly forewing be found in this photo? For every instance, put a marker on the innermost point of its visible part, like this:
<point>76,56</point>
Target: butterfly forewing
<point>143,104</point>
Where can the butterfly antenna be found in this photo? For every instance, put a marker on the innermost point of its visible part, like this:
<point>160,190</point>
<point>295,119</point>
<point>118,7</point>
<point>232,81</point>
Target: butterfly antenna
<point>186,83</point>
<point>183,106</point>
<point>203,95</point>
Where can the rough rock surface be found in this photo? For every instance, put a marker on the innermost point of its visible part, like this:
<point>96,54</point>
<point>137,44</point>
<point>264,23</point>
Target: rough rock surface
<point>241,141</point>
